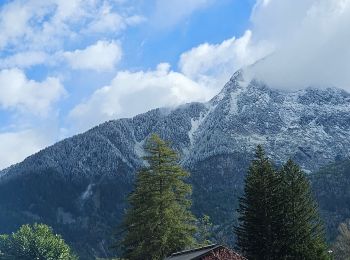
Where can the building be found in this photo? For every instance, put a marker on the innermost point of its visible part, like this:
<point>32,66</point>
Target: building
<point>211,252</point>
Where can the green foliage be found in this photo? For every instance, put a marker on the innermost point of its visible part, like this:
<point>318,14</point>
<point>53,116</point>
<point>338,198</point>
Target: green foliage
<point>34,242</point>
<point>256,234</point>
<point>331,188</point>
<point>301,230</point>
<point>341,247</point>
<point>204,231</point>
<point>159,220</point>
<point>278,216</point>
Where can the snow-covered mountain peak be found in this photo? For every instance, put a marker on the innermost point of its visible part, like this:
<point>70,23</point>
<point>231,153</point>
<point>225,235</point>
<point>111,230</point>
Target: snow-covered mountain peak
<point>85,179</point>
<point>304,124</point>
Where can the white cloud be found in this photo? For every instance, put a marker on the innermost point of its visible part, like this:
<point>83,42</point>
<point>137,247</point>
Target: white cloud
<point>24,59</point>
<point>135,20</point>
<point>101,56</point>
<point>169,13</point>
<point>213,64</point>
<point>203,71</point>
<point>308,41</point>
<point>131,93</point>
<point>16,146</point>
<point>37,25</point>
<point>36,33</point>
<point>311,39</point>
<point>31,24</point>
<point>29,96</point>
<point>108,21</point>
<point>14,19</point>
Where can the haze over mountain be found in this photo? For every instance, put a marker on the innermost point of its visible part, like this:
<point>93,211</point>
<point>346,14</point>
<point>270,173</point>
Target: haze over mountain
<point>80,184</point>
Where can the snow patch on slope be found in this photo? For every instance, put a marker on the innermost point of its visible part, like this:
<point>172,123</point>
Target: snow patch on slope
<point>138,149</point>
<point>194,126</point>
<point>87,193</point>
<point>234,101</point>
<point>196,123</point>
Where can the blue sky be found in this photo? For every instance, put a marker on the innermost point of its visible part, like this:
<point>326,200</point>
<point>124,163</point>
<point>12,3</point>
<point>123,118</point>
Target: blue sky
<point>66,66</point>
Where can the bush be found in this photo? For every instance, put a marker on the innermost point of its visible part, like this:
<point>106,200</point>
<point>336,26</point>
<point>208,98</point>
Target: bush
<point>34,242</point>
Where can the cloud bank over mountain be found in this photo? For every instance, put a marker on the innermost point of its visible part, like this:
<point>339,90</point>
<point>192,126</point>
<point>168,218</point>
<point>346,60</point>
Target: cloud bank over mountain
<point>311,42</point>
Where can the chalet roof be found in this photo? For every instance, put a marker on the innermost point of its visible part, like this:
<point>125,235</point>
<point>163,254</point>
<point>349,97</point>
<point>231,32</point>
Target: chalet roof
<point>197,253</point>
<point>192,253</point>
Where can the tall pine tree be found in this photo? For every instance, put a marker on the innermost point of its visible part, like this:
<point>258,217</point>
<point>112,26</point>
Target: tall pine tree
<point>301,233</point>
<point>258,210</point>
<point>278,216</point>
<point>159,220</point>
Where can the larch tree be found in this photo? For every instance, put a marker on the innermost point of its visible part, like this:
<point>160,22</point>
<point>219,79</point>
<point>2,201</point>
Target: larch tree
<point>159,221</point>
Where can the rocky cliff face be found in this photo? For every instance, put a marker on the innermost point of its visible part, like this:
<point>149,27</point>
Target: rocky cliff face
<point>79,185</point>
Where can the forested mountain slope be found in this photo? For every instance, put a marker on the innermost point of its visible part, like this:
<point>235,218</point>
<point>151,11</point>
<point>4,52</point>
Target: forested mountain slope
<point>79,185</point>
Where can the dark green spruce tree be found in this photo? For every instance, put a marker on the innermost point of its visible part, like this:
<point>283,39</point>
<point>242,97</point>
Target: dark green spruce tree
<point>301,233</point>
<point>278,216</point>
<point>159,221</point>
<point>259,210</point>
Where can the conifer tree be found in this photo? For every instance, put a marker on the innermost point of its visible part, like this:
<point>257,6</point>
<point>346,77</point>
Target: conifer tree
<point>301,233</point>
<point>278,216</point>
<point>159,221</point>
<point>258,210</point>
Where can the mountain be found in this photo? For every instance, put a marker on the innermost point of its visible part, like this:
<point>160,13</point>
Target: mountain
<point>79,185</point>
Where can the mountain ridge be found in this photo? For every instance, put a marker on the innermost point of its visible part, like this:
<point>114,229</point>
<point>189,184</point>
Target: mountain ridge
<point>79,185</point>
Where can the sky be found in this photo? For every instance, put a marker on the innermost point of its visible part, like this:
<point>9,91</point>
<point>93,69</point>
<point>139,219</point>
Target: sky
<point>66,66</point>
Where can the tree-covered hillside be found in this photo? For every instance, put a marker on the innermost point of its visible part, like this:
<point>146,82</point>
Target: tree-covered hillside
<point>79,185</point>
<point>331,186</point>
